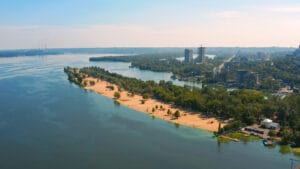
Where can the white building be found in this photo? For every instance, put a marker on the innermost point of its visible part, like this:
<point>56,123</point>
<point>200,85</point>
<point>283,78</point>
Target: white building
<point>268,123</point>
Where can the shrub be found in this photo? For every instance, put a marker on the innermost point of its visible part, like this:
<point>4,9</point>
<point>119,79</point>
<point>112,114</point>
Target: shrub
<point>85,83</point>
<point>177,114</point>
<point>92,83</point>
<point>117,95</point>
<point>145,96</point>
<point>169,112</point>
<point>235,125</point>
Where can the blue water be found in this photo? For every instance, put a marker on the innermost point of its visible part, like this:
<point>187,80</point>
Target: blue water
<point>48,123</point>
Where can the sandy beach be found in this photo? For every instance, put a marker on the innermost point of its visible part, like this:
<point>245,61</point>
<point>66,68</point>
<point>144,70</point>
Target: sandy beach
<point>187,118</point>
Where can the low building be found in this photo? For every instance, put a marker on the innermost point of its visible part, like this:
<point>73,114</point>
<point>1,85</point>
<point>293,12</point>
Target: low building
<point>268,123</point>
<point>286,90</point>
<point>254,130</point>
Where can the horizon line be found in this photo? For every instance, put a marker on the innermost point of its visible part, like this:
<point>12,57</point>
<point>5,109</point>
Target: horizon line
<point>7,49</point>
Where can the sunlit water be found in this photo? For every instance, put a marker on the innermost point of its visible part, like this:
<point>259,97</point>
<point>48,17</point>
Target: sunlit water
<point>48,123</point>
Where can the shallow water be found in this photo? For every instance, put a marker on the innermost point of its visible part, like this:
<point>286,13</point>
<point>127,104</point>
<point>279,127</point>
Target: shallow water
<point>47,122</point>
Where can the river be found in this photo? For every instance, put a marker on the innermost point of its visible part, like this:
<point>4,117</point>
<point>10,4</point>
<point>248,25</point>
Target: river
<point>46,122</point>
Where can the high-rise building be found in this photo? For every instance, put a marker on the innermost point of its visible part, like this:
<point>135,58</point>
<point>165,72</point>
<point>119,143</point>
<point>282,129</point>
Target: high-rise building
<point>201,54</point>
<point>188,55</point>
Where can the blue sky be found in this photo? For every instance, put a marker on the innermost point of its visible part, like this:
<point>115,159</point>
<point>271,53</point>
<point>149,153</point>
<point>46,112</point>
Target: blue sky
<point>105,23</point>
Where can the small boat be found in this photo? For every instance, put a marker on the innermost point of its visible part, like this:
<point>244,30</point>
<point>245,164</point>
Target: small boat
<point>268,142</point>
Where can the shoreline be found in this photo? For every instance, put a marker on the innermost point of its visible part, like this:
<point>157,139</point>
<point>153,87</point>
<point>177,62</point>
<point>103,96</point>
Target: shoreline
<point>153,107</point>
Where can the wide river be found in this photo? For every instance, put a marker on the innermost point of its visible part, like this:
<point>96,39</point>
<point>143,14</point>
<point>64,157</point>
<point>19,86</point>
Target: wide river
<point>48,123</point>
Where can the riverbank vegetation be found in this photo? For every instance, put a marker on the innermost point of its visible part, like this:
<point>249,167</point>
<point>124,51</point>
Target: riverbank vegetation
<point>168,62</point>
<point>242,106</point>
<point>237,136</point>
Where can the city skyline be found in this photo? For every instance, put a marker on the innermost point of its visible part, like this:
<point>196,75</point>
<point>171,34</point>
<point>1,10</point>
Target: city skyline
<point>130,23</point>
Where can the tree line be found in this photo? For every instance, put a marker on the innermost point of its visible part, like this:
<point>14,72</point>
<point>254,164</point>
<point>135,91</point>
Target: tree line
<point>167,62</point>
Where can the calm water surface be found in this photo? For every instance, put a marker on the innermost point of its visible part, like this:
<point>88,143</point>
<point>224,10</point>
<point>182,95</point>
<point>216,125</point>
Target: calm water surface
<point>48,123</point>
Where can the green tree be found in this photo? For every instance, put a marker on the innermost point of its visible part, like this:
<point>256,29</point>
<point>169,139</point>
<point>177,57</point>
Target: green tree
<point>287,136</point>
<point>169,112</point>
<point>84,83</point>
<point>146,96</point>
<point>177,114</point>
<point>117,95</point>
<point>92,83</point>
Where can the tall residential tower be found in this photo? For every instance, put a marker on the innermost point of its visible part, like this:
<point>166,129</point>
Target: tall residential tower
<point>188,55</point>
<point>201,55</point>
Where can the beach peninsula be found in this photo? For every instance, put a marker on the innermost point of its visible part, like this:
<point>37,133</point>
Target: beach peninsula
<point>149,105</point>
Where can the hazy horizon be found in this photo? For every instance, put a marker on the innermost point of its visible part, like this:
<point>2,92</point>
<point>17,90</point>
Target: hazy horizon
<point>129,23</point>
<point>146,47</point>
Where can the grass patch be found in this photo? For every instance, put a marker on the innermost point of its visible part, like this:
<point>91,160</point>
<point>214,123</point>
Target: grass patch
<point>243,137</point>
<point>285,149</point>
<point>296,151</point>
<point>223,140</point>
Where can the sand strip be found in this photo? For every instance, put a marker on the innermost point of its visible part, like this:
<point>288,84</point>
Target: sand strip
<point>187,118</point>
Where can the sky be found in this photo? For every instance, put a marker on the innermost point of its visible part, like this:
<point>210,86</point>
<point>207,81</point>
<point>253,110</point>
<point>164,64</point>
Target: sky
<point>148,23</point>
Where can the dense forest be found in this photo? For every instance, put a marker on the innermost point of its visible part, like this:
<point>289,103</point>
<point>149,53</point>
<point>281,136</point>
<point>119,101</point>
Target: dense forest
<point>285,69</point>
<point>246,107</point>
<point>273,74</point>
